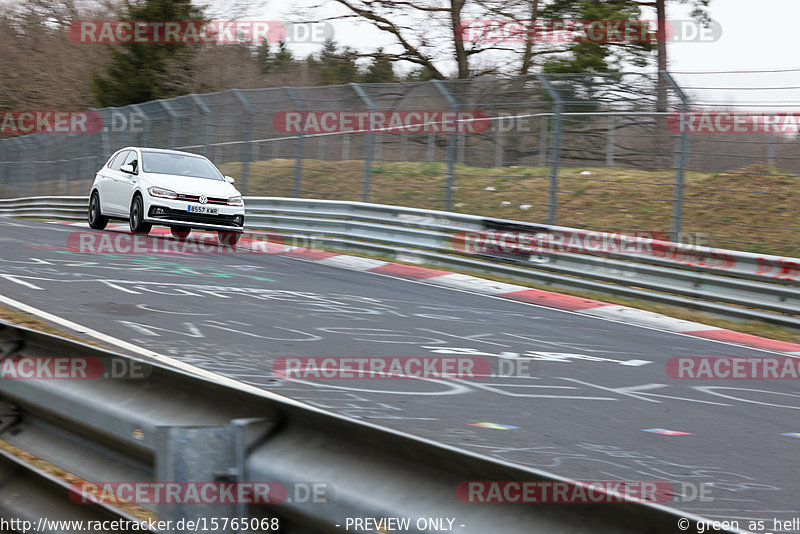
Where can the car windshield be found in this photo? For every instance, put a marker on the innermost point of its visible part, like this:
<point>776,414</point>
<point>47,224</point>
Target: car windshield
<point>178,164</point>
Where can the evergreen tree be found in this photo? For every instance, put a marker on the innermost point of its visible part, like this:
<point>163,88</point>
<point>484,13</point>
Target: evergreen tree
<point>138,72</point>
<point>380,70</point>
<point>598,56</point>
<point>283,57</point>
<point>335,67</point>
<point>264,57</point>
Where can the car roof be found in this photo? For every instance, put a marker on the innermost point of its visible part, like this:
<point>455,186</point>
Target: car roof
<point>162,151</point>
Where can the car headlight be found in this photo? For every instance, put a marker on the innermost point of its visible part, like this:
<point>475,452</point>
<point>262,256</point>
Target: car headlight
<point>162,193</point>
<point>235,201</point>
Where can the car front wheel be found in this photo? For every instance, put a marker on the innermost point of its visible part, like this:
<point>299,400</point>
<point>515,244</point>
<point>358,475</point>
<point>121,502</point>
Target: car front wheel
<point>138,226</point>
<point>97,220</point>
<point>228,238</point>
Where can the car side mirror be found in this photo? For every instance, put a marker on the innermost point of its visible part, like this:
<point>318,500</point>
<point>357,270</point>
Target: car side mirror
<point>229,179</point>
<point>127,168</point>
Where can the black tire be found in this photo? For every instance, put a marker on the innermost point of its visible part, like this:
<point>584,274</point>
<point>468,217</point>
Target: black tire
<point>137,217</point>
<point>97,221</point>
<point>228,238</point>
<point>180,232</point>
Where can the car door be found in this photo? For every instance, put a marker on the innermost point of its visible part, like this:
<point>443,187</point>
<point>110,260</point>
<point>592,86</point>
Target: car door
<point>106,186</point>
<point>103,182</point>
<point>126,181</point>
<point>114,201</point>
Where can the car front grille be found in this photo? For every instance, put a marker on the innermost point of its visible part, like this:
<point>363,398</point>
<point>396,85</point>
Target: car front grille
<point>196,198</point>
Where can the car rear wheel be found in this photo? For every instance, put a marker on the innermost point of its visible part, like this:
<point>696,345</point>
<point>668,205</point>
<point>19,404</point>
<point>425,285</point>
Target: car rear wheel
<point>180,232</point>
<point>138,226</point>
<point>228,238</point>
<point>97,220</point>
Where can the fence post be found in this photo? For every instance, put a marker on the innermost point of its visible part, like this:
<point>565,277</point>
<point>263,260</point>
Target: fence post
<point>248,134</point>
<point>451,148</point>
<point>681,160</point>
<point>771,150</point>
<point>369,146</point>
<point>498,143</point>
<point>29,162</point>
<point>298,156</point>
<point>555,148</point>
<point>75,162</point>
<point>612,134</point>
<point>543,141</point>
<point>18,146</point>
<point>3,165</point>
<point>345,147</point>
<point>206,113</point>
<point>144,139</point>
<point>173,121</point>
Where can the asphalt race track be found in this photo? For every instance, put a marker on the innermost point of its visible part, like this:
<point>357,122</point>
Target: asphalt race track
<point>595,385</point>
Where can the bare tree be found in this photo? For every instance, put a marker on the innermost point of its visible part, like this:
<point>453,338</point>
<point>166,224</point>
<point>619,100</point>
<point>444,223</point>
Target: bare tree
<point>439,36</point>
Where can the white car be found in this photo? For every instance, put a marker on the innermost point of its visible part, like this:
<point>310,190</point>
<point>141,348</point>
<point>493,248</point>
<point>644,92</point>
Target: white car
<point>180,190</point>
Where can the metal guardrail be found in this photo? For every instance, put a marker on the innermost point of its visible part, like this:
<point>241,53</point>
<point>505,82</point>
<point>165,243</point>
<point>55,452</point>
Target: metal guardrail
<point>737,285</point>
<point>171,426</point>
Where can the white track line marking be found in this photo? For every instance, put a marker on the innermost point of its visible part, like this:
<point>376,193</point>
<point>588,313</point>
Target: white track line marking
<point>20,282</point>
<point>220,379</point>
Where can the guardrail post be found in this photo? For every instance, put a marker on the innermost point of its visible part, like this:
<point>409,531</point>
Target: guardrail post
<point>451,147</point>
<point>248,133</point>
<point>369,145</point>
<point>173,121</point>
<point>298,155</point>
<point>682,154</point>
<point>206,114</point>
<point>201,455</point>
<point>555,148</point>
<point>208,454</point>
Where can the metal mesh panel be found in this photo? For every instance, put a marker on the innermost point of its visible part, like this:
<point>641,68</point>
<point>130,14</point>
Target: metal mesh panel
<point>589,151</point>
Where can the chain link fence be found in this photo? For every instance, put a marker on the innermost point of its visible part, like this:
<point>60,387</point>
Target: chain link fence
<point>590,151</point>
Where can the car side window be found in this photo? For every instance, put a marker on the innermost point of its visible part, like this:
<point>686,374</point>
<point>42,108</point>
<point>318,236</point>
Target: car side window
<point>112,159</point>
<point>117,163</point>
<point>131,159</point>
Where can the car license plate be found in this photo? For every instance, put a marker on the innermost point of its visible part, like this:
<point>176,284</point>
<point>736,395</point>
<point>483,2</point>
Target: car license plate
<point>203,209</point>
